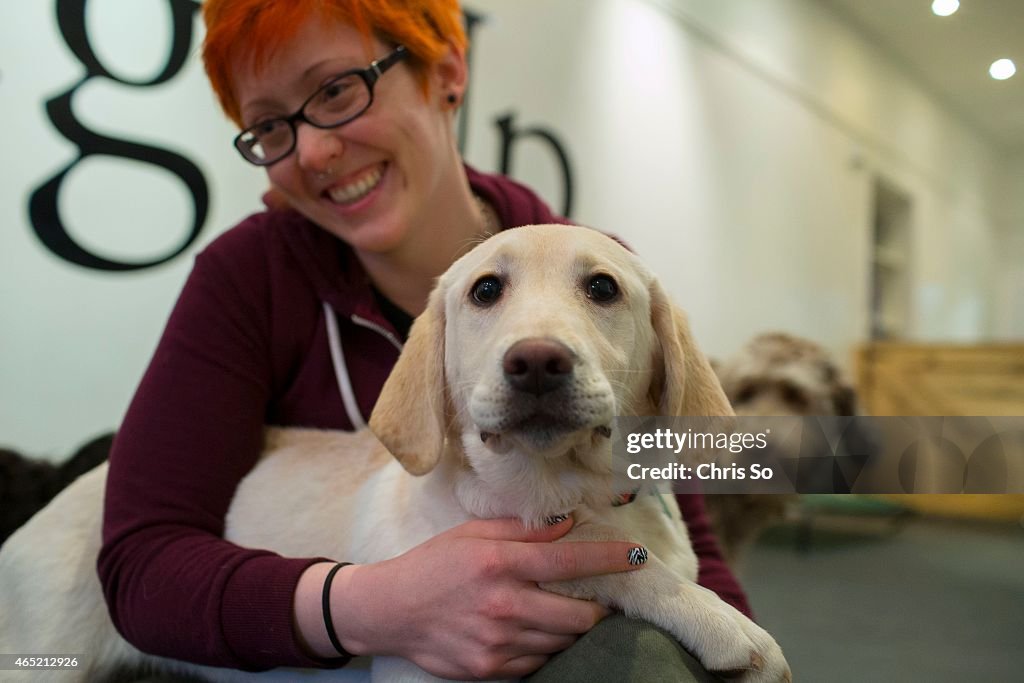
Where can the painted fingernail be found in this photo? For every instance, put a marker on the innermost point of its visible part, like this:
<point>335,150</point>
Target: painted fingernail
<point>556,519</point>
<point>638,555</point>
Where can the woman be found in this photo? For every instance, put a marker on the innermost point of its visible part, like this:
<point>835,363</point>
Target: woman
<point>295,317</point>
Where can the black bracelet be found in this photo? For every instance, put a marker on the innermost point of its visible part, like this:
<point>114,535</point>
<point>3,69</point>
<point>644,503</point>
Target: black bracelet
<point>328,622</point>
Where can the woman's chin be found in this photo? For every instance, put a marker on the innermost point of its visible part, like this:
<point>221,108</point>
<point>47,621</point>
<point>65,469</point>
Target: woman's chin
<point>371,237</point>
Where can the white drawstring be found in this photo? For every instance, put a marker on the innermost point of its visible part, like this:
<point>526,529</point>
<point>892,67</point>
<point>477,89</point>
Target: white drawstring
<point>348,396</point>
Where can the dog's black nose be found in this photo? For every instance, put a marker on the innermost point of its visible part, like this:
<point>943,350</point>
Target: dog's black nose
<point>537,366</point>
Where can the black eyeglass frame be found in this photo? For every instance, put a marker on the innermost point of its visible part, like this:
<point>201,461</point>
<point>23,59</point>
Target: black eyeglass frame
<point>370,75</point>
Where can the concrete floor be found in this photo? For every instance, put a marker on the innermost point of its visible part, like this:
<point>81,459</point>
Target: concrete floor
<point>872,600</point>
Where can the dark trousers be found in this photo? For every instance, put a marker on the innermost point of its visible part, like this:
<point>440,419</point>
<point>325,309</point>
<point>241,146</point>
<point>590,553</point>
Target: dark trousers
<point>620,649</point>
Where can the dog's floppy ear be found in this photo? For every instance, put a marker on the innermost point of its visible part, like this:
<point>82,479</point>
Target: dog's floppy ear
<point>686,384</point>
<point>411,414</point>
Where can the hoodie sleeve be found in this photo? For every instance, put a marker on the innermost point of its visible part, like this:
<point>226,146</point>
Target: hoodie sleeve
<point>174,586</point>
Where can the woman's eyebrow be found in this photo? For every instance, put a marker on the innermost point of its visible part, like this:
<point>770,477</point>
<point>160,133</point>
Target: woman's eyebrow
<point>330,64</point>
<point>256,105</point>
<point>338,64</point>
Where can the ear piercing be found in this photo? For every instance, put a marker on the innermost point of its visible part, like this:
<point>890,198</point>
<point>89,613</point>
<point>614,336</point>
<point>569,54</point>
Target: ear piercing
<point>452,99</point>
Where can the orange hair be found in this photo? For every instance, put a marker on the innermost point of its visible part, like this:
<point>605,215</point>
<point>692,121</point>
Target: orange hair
<point>252,30</point>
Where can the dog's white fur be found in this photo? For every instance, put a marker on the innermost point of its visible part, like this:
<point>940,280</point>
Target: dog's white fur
<point>342,495</point>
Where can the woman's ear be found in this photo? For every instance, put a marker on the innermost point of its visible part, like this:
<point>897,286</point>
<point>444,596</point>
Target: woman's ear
<point>411,415</point>
<point>450,75</point>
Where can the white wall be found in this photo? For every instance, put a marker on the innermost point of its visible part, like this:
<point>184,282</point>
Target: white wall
<point>738,155</point>
<point>74,342</point>
<point>732,143</point>
<point>1009,302</point>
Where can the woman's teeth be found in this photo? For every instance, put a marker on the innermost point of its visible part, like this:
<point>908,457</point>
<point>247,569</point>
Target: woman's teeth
<point>346,194</point>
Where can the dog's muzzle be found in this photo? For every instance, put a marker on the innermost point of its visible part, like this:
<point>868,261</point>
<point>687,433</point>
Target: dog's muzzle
<point>543,396</point>
<point>538,366</point>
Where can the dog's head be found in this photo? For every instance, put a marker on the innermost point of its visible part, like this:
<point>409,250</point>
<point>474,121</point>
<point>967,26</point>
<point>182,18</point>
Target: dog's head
<point>531,343</point>
<point>780,374</point>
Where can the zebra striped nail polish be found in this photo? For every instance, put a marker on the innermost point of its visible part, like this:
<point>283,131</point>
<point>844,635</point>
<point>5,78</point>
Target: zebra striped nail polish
<point>638,555</point>
<point>556,519</point>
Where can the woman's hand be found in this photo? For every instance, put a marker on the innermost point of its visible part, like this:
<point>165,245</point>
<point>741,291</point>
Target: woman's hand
<point>465,604</point>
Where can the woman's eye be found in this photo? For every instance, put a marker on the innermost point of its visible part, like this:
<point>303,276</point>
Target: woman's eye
<point>602,288</point>
<point>331,91</point>
<point>268,127</point>
<point>486,290</point>
<point>340,93</point>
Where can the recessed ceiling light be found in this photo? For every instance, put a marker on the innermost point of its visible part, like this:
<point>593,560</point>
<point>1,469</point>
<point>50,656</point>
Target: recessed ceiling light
<point>944,8</point>
<point>1002,69</point>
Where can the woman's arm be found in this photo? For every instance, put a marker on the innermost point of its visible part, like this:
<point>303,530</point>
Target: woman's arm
<point>174,587</point>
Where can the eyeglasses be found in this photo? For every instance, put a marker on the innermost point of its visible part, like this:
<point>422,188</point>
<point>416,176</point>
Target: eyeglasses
<point>345,98</point>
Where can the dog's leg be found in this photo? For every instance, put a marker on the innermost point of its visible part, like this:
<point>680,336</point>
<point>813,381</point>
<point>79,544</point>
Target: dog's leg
<point>720,636</point>
<point>50,598</point>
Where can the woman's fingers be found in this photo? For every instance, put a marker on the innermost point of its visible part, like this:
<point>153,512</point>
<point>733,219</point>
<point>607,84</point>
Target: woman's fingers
<point>558,615</point>
<point>534,642</point>
<point>511,530</point>
<point>471,596</point>
<point>543,562</point>
<point>531,555</point>
<point>523,666</point>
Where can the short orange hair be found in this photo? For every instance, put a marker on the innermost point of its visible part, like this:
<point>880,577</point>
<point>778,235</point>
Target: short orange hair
<point>252,30</point>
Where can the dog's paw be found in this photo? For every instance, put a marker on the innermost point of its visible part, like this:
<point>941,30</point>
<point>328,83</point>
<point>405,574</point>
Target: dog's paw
<point>766,662</point>
<point>729,644</point>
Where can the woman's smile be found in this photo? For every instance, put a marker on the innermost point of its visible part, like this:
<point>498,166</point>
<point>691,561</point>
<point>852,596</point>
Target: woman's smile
<point>356,186</point>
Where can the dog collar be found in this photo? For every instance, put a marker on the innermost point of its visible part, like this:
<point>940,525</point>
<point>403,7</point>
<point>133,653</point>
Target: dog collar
<point>624,499</point>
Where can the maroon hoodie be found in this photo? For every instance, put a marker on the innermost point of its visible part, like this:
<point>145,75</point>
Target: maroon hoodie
<point>246,346</point>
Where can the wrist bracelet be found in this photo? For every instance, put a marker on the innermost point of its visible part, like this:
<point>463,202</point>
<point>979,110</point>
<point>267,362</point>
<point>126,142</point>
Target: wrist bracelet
<point>326,601</point>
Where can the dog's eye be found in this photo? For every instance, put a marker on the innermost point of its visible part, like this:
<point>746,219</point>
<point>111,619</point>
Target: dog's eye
<point>486,290</point>
<point>602,288</point>
<point>746,393</point>
<point>796,398</point>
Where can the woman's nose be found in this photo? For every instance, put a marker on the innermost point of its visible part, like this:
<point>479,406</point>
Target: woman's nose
<point>316,149</point>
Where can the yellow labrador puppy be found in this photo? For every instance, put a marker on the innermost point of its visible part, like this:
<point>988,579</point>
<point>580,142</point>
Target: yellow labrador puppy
<point>502,403</point>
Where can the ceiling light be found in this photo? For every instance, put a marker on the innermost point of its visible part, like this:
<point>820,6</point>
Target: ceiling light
<point>944,8</point>
<point>1002,69</point>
